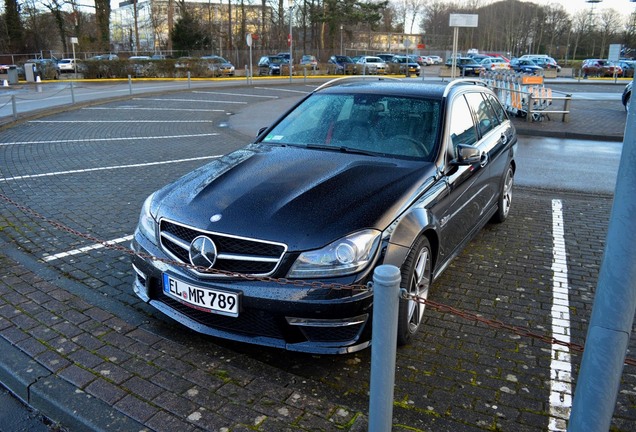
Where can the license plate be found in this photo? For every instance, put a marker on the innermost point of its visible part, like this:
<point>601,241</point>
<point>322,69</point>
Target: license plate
<point>204,299</point>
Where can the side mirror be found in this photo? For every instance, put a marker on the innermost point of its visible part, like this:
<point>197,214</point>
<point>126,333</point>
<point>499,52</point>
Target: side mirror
<point>261,130</point>
<point>467,154</point>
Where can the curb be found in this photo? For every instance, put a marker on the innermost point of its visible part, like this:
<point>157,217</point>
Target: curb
<point>56,398</point>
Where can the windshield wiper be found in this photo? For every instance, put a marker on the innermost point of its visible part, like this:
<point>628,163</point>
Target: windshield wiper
<point>342,149</point>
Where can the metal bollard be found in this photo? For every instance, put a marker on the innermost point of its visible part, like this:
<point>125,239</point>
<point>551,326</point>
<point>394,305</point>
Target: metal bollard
<point>386,303</point>
<point>566,108</point>
<point>72,94</point>
<point>130,84</point>
<point>189,83</point>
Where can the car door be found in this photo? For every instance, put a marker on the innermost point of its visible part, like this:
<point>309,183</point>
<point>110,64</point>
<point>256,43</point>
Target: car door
<point>473,120</point>
<point>458,213</point>
<point>498,140</point>
<point>493,135</point>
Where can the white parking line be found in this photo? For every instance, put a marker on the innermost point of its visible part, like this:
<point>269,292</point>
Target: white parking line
<point>51,174</point>
<point>282,90</point>
<point>119,121</point>
<point>236,94</point>
<point>139,108</point>
<point>194,100</point>
<point>560,365</point>
<point>108,139</point>
<point>49,258</point>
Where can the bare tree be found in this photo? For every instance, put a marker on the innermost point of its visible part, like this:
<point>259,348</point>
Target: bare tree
<point>609,25</point>
<point>557,26</point>
<point>408,12</point>
<point>580,23</point>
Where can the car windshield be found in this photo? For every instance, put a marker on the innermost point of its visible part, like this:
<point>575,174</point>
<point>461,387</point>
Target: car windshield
<point>371,124</point>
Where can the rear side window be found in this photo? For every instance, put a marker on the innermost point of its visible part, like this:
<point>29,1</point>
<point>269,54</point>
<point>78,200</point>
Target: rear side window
<point>497,109</point>
<point>486,120</point>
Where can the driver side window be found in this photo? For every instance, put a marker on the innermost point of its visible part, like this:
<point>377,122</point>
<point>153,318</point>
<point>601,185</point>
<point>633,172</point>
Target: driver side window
<point>462,126</point>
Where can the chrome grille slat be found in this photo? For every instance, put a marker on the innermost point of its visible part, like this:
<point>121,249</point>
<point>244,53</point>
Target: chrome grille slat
<point>235,254</point>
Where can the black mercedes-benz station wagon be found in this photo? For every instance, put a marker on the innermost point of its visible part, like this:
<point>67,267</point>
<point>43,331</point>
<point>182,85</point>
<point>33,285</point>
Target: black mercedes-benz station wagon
<point>275,243</point>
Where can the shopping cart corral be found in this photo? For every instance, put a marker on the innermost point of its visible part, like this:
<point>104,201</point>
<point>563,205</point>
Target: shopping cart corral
<point>526,95</point>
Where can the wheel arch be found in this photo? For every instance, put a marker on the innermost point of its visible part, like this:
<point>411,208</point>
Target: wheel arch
<point>409,228</point>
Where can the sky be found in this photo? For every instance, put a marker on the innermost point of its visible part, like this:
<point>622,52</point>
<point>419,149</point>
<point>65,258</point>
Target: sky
<point>573,6</point>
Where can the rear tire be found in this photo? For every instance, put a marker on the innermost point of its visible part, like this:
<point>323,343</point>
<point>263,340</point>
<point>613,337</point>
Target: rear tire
<point>416,279</point>
<point>505,197</point>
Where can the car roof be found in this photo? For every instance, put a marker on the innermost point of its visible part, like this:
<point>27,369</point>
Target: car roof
<point>396,87</point>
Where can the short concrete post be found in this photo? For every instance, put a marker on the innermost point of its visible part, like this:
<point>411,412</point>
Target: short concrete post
<point>386,302</point>
<point>14,107</point>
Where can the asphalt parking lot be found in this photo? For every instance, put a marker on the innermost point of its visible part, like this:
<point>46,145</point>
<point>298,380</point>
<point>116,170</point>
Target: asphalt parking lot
<point>84,348</point>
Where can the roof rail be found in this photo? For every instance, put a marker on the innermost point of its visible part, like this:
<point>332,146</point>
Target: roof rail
<point>463,81</point>
<point>357,78</point>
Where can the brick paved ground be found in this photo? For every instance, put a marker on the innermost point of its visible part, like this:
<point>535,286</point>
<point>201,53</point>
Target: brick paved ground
<point>77,343</point>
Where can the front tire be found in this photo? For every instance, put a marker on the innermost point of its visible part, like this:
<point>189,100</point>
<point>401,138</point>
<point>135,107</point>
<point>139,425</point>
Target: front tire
<point>416,280</point>
<point>505,197</point>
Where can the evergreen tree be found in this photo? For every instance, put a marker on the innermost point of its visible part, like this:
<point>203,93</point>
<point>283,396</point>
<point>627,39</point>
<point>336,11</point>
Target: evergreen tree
<point>13,25</point>
<point>188,34</point>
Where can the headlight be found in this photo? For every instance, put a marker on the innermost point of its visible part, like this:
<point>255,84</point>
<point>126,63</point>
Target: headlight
<point>342,257</point>
<point>147,223</point>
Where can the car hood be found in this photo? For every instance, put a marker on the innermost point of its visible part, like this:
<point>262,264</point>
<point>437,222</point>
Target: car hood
<point>304,198</point>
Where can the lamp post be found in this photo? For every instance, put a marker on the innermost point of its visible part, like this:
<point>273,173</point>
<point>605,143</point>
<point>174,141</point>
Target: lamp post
<point>291,42</point>
<point>341,28</point>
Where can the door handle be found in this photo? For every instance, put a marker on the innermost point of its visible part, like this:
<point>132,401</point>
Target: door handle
<point>484,159</point>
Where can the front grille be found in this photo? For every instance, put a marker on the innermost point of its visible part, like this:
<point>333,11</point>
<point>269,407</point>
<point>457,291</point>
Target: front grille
<point>235,254</point>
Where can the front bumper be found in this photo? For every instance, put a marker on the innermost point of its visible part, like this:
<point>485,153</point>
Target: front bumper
<point>284,315</point>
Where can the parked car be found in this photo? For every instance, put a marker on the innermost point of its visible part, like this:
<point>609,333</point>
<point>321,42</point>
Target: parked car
<point>285,55</point>
<point>467,66</point>
<point>400,65</point>
<point>547,63</point>
<point>219,66</point>
<point>477,57</point>
<point>495,63</point>
<point>371,65</point>
<point>340,65</point>
<point>600,67</point>
<point>525,66</point>
<point>256,247</point>
<point>105,57</point>
<point>44,68</point>
<point>66,65</point>
<point>418,59</point>
<point>435,59</point>
<point>627,95</point>
<point>140,65</point>
<point>272,65</point>
<point>627,66</point>
<point>386,57</point>
<point>309,61</point>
